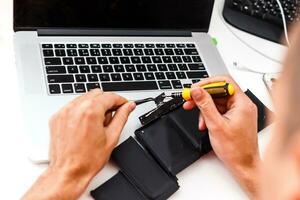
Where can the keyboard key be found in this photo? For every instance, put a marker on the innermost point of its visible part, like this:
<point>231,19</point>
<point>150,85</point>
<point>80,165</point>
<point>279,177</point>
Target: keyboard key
<point>115,77</point>
<point>178,52</point>
<point>96,68</point>
<point>48,53</point>
<point>127,52</point>
<point>91,86</point>
<point>102,60</point>
<point>149,76</point>
<point>138,52</point>
<point>196,59</point>
<point>80,78</point>
<point>141,68</point>
<point>151,68</point>
<point>83,52</point>
<point>117,52</point>
<point>92,78</point>
<point>182,67</point>
<point>107,68</point>
<point>105,52</point>
<point>186,59</point>
<point>60,78</point>
<point>79,61</point>
<point>135,60</point>
<point>139,46</point>
<point>194,75</point>
<point>125,86</point>
<point>149,52</point>
<point>181,75</point>
<point>104,77</point>
<point>79,88</point>
<point>60,52</point>
<point>124,60</point>
<point>138,76</point>
<point>156,59</point>
<point>180,45</point>
<point>72,52</point>
<point>54,89</point>
<point>195,80</point>
<point>160,45</point>
<point>159,52</point>
<point>150,45</point>
<point>71,46</point>
<point>160,75</point>
<point>164,85</point>
<point>127,76</point>
<point>119,68</point>
<point>113,60</point>
<point>117,45</point>
<point>47,46</point>
<point>94,52</point>
<point>162,67</point>
<point>72,69</point>
<point>190,45</point>
<point>187,85</point>
<point>172,67</point>
<point>56,70</point>
<point>167,59</point>
<point>59,46</point>
<point>91,60</point>
<point>177,59</point>
<point>130,68</point>
<point>84,69</point>
<point>170,75</point>
<point>169,52</point>
<point>68,61</point>
<point>67,88</point>
<point>191,51</point>
<point>106,45</point>
<point>170,45</point>
<point>95,46</point>
<point>52,61</point>
<point>83,46</point>
<point>128,45</point>
<point>197,66</point>
<point>146,59</point>
<point>176,84</point>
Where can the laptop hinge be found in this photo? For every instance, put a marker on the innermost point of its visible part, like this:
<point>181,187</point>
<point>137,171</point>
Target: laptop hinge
<point>93,32</point>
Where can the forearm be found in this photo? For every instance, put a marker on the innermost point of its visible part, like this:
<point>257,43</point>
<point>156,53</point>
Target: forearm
<point>55,184</point>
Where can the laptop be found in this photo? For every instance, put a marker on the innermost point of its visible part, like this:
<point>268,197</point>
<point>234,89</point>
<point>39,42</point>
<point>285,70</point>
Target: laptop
<point>136,48</point>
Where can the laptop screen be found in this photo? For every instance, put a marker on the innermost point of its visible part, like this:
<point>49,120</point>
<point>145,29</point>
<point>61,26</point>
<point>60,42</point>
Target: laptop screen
<point>191,15</point>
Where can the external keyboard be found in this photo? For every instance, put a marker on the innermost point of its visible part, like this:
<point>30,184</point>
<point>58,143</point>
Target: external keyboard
<point>77,68</point>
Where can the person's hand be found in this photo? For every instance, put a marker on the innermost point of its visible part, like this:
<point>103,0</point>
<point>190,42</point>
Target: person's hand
<point>83,135</point>
<point>232,126</point>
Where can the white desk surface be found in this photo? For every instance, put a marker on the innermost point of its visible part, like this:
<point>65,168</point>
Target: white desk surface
<point>205,179</point>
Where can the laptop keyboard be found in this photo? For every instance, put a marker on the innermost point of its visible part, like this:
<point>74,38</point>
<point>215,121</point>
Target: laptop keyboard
<point>77,68</point>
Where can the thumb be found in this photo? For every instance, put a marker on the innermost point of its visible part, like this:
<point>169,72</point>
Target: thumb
<point>206,105</point>
<point>114,128</point>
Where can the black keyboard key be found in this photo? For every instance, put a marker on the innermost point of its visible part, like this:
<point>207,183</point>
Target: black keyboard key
<point>114,60</point>
<point>156,59</point>
<point>150,45</point>
<point>164,85</point>
<point>180,45</point>
<point>151,68</point>
<point>159,52</point>
<point>117,45</point>
<point>170,45</point>
<point>84,69</point>
<point>127,76</point>
<point>107,68</point>
<point>138,52</point>
<point>127,52</point>
<point>195,80</point>
<point>72,52</point>
<point>83,52</point>
<point>72,46</point>
<point>104,77</point>
<point>181,75</point>
<point>79,61</point>
<point>172,67</point>
<point>187,59</point>
<point>128,45</point>
<point>170,75</point>
<point>59,46</point>
<point>167,59</point>
<point>115,77</point>
<point>169,52</point>
<point>130,68</point>
<point>149,52</point>
<point>187,85</point>
<point>196,59</point>
<point>139,45</point>
<point>106,46</point>
<point>162,67</point>
<point>68,61</point>
<point>102,60</point>
<point>177,59</point>
<point>84,46</point>
<point>197,66</point>
<point>72,69</point>
<point>117,52</point>
<point>194,75</point>
<point>52,61</point>
<point>56,70</point>
<point>96,46</point>
<point>96,68</point>
<point>149,76</point>
<point>146,59</point>
<point>91,60</point>
<point>47,46</point>
<point>60,78</point>
<point>91,86</point>
<point>176,84</point>
<point>67,88</point>
<point>191,51</point>
<point>105,52</point>
<point>54,89</point>
<point>60,52</point>
<point>135,60</point>
<point>79,88</point>
<point>125,86</point>
<point>124,60</point>
<point>94,52</point>
<point>141,68</point>
<point>92,78</point>
<point>48,53</point>
<point>80,78</point>
<point>160,45</point>
<point>138,76</point>
<point>160,75</point>
<point>119,68</point>
<point>190,45</point>
<point>178,52</point>
<point>182,67</point>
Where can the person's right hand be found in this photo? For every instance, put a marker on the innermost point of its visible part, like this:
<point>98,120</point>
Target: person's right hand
<point>232,126</point>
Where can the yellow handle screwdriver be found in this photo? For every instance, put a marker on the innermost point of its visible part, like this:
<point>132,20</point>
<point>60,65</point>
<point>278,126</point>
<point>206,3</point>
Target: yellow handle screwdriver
<point>216,90</point>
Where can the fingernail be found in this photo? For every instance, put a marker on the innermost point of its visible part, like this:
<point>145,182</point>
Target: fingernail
<point>132,106</point>
<point>196,93</point>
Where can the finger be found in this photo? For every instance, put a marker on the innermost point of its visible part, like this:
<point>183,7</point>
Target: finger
<point>189,105</point>
<point>112,101</point>
<point>202,125</point>
<point>118,121</point>
<point>207,107</point>
<point>88,95</point>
